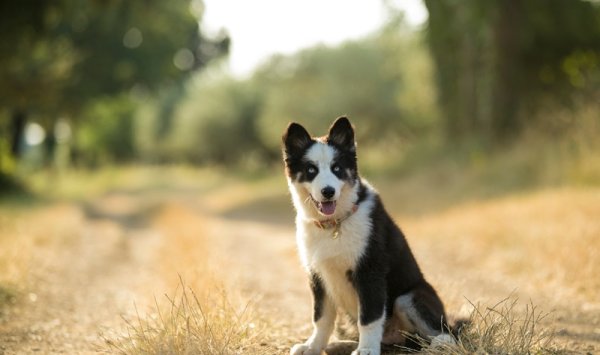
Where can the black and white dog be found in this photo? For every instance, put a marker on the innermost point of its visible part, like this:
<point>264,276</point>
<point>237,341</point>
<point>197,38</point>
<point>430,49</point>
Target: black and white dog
<point>358,260</point>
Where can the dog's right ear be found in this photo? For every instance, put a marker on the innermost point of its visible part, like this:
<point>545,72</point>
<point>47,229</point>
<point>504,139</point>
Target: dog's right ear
<point>295,139</point>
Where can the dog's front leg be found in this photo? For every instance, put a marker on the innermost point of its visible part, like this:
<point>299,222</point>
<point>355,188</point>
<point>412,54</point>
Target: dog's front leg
<point>371,313</point>
<point>323,321</point>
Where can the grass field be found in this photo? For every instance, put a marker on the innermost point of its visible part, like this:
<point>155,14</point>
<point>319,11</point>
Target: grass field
<point>179,260</point>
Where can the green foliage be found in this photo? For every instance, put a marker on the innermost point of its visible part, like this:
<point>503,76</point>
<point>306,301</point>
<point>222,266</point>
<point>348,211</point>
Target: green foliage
<point>212,122</point>
<point>374,81</point>
<point>500,65</point>
<point>388,93</point>
<point>382,89</point>
<point>59,59</point>
<point>217,124</point>
<point>329,82</point>
<point>86,49</point>
<point>498,62</point>
<point>106,134</point>
<point>123,43</point>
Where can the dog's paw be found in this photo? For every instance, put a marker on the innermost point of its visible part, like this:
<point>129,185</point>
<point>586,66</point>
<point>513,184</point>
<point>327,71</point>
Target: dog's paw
<point>303,349</point>
<point>366,351</point>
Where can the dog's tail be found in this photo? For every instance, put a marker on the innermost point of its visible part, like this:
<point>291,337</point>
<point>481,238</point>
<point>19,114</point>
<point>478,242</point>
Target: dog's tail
<point>458,326</point>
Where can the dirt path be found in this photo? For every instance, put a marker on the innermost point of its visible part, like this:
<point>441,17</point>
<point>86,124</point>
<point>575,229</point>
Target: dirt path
<point>81,295</point>
<point>265,257</point>
<point>82,290</point>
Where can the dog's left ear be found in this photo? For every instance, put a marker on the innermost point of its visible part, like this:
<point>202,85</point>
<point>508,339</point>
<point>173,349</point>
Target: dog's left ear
<point>341,134</point>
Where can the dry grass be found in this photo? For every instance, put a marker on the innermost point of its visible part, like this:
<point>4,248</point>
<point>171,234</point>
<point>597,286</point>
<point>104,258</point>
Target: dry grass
<point>503,328</point>
<point>203,315</point>
<point>27,236</point>
<point>191,325</point>
<point>544,241</point>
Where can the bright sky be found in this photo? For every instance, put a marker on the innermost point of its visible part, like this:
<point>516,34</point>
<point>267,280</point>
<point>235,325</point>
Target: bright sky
<point>261,28</point>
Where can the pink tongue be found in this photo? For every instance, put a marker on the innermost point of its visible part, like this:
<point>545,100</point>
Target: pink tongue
<point>328,208</point>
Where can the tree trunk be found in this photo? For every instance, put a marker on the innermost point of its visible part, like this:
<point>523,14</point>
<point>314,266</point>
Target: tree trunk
<point>49,147</point>
<point>506,94</point>
<point>458,40</point>
<point>17,131</point>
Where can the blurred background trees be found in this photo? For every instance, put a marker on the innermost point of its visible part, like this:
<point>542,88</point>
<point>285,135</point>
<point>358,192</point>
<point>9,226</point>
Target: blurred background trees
<point>498,62</point>
<point>75,61</point>
<point>118,81</point>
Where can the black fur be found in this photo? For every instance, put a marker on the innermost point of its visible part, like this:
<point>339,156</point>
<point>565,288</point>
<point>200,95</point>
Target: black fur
<point>370,284</point>
<point>429,306</point>
<point>389,268</point>
<point>341,137</point>
<point>318,292</point>
<point>296,141</point>
<point>362,193</point>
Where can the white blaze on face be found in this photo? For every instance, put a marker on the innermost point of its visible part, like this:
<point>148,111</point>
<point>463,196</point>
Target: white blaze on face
<point>322,156</point>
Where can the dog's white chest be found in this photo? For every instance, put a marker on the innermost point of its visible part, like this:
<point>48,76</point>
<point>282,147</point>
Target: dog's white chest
<point>334,274</point>
<point>333,259</point>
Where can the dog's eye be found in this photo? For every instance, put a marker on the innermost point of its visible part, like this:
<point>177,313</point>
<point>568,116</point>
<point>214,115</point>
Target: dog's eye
<point>311,170</point>
<point>336,168</point>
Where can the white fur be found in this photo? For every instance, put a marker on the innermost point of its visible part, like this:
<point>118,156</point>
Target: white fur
<point>369,341</point>
<point>322,156</point>
<point>332,258</point>
<point>319,252</point>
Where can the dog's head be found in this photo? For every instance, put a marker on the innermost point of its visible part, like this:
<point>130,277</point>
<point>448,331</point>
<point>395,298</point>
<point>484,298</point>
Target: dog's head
<point>322,172</point>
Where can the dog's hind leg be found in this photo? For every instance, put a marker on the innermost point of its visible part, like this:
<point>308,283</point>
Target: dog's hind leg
<point>396,328</point>
<point>423,310</point>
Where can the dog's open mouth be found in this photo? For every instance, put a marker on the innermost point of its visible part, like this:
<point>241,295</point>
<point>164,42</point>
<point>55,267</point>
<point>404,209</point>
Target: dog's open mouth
<point>326,207</point>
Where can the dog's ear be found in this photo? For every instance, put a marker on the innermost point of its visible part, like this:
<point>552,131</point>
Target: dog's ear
<point>295,139</point>
<point>341,134</point>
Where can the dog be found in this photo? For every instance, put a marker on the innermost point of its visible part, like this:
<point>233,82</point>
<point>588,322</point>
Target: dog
<point>357,258</point>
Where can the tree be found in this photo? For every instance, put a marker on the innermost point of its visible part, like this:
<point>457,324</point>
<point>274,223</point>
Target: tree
<point>321,83</point>
<point>58,57</point>
<point>496,59</point>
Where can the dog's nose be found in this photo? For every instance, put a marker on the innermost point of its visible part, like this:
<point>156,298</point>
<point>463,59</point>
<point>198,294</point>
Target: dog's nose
<point>328,192</point>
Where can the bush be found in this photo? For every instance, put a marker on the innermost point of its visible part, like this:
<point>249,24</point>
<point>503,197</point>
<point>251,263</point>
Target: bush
<point>216,123</point>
